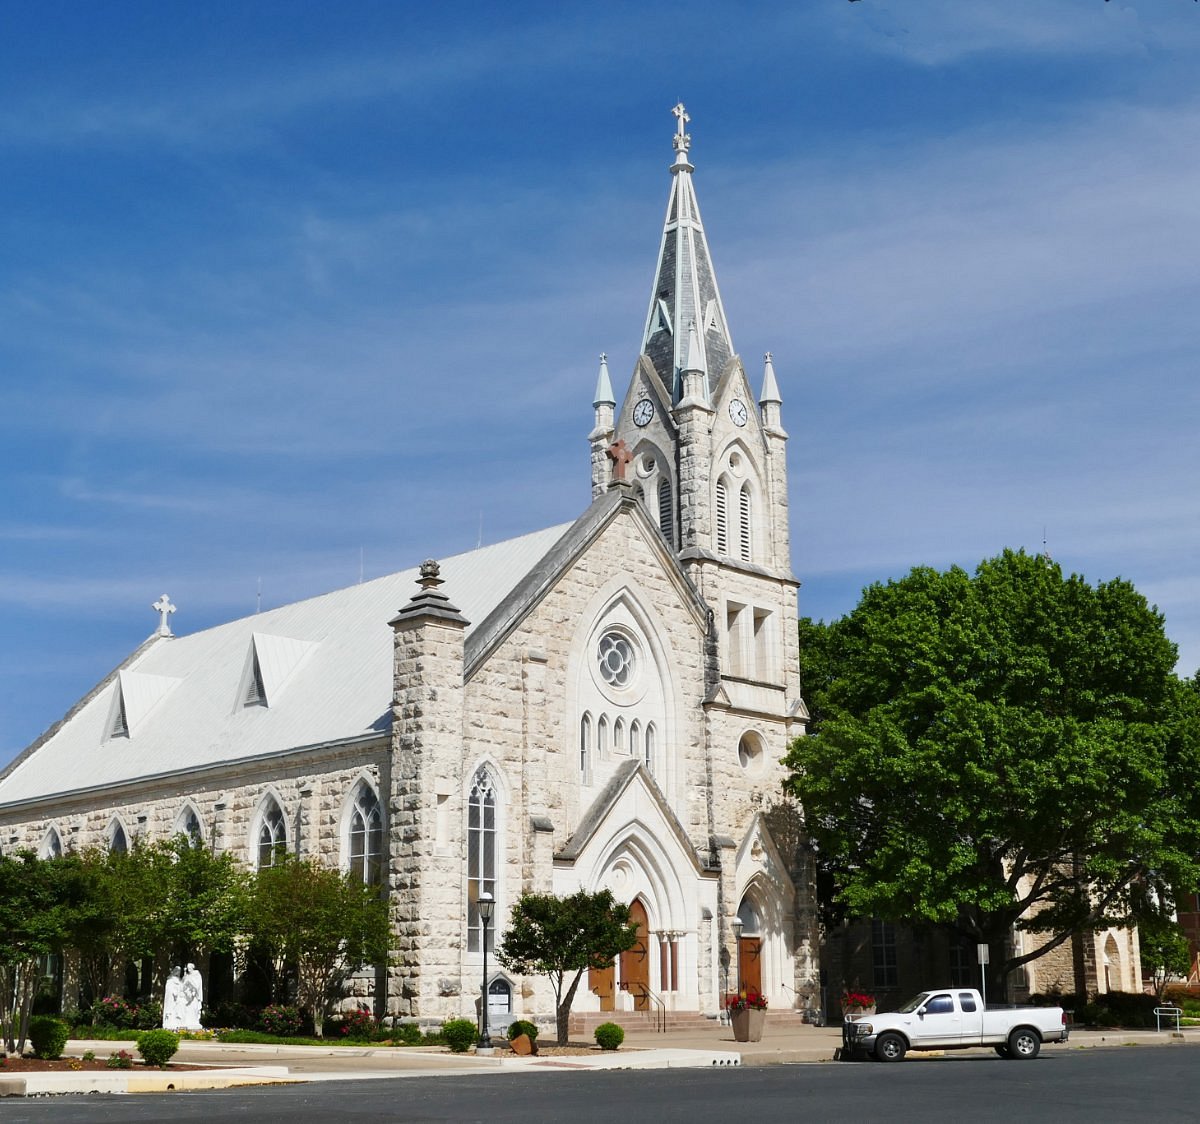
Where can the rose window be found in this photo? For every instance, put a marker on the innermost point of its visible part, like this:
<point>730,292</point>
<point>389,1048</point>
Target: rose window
<point>616,659</point>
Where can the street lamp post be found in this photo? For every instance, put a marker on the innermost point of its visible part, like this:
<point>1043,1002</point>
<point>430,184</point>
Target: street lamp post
<point>484,1045</point>
<point>737,951</point>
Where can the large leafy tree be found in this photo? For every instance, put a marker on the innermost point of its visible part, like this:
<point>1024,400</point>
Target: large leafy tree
<point>36,903</point>
<point>563,937</point>
<point>319,924</point>
<point>1009,748</point>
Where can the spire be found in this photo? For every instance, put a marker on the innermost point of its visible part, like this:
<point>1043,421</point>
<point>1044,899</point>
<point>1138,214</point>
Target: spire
<point>604,391</point>
<point>770,388</point>
<point>685,286</point>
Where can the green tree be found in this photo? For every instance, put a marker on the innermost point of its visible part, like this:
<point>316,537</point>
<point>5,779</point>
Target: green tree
<point>1166,952</point>
<point>35,910</point>
<point>998,749</point>
<point>561,938</point>
<point>320,924</point>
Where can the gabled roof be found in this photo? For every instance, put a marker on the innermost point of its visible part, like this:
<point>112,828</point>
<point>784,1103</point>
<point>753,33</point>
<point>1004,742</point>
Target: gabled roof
<point>326,665</point>
<point>629,773</point>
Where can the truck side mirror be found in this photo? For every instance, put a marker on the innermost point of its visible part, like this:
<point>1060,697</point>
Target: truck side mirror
<point>920,1012</point>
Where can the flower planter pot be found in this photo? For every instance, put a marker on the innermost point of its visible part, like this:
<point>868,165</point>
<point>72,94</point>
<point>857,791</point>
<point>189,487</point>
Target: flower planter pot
<point>853,1013</point>
<point>748,1024</point>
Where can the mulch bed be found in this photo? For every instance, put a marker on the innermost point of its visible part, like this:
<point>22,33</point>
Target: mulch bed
<point>13,1064</point>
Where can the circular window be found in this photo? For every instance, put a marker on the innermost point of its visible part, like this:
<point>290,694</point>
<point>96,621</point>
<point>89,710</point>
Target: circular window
<point>750,753</point>
<point>735,463</point>
<point>646,465</point>
<point>615,655</point>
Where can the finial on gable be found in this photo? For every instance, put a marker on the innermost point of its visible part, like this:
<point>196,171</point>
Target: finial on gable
<point>429,575</point>
<point>164,608</point>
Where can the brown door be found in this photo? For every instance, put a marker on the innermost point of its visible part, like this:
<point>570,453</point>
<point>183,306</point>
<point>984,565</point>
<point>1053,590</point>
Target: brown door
<point>750,962</point>
<point>600,980</point>
<point>635,964</point>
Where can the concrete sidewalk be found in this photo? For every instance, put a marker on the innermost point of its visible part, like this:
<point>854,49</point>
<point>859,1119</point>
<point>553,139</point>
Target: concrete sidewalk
<point>786,1042</point>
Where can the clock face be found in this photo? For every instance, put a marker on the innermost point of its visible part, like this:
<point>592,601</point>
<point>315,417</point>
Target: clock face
<point>737,411</point>
<point>643,412</point>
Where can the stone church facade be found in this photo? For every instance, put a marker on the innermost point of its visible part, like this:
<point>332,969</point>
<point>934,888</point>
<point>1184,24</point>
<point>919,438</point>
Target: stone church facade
<point>600,704</point>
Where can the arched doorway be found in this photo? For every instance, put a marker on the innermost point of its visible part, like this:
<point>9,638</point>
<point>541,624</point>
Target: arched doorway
<point>750,947</point>
<point>635,964</point>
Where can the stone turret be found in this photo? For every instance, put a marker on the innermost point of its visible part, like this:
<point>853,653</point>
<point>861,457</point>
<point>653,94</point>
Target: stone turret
<point>604,403</point>
<point>427,727</point>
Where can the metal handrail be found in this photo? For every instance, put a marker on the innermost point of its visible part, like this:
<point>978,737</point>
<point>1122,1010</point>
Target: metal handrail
<point>1167,1012</point>
<point>659,1005</point>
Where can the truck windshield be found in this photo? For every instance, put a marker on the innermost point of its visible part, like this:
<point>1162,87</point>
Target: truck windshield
<point>913,1004</point>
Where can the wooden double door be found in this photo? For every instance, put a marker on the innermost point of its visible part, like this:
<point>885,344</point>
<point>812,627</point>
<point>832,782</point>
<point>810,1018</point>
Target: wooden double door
<point>635,968</point>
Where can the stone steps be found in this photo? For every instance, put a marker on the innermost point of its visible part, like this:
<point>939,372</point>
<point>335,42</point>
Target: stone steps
<point>583,1025</point>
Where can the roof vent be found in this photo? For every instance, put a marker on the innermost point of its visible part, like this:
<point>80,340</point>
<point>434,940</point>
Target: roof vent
<point>271,664</point>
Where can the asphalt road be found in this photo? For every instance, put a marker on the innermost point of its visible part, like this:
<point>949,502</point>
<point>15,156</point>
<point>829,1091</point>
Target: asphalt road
<point>1134,1084</point>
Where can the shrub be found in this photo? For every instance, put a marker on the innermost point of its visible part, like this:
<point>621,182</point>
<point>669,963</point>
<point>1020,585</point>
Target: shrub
<point>460,1034</point>
<point>114,1011</point>
<point>523,1026</point>
<point>88,1056</point>
<point>609,1036</point>
<point>358,1024</point>
<point>148,1016</point>
<point>281,1020</point>
<point>157,1047</point>
<point>407,1033</point>
<point>122,1059</point>
<point>48,1036</point>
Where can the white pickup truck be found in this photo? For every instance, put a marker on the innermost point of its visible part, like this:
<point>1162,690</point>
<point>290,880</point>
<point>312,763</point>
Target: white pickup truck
<point>953,1019</point>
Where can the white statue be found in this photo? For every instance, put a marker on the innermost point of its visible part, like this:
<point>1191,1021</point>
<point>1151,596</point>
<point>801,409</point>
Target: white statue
<point>192,996</point>
<point>173,1000</point>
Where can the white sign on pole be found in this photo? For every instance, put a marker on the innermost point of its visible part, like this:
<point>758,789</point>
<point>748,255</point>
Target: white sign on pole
<point>981,950</point>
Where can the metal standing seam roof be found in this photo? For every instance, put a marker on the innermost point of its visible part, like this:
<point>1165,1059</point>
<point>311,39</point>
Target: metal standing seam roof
<point>334,685</point>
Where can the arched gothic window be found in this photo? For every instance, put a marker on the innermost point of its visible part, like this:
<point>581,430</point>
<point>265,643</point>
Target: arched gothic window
<point>635,738</point>
<point>481,853</point>
<point>722,518</point>
<point>272,834</point>
<point>651,762</point>
<point>585,747</point>
<point>745,523</point>
<point>52,847</point>
<point>188,823</point>
<point>666,519</point>
<point>366,836</point>
<point>602,736</point>
<point>118,843</point>
<point>619,745</point>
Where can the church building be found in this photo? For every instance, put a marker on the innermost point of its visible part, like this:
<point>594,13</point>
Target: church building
<point>601,704</point>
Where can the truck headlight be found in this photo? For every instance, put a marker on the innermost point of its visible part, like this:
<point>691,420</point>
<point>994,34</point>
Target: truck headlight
<point>863,1030</point>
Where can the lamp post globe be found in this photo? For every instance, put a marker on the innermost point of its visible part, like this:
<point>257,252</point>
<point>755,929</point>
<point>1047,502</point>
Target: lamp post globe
<point>485,904</point>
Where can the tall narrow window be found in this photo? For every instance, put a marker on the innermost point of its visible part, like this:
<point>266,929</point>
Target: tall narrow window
<point>745,524</point>
<point>272,834</point>
<point>619,745</point>
<point>481,853</point>
<point>735,640</point>
<point>666,520</point>
<point>883,950</point>
<point>651,753</point>
<point>722,518</point>
<point>761,620</point>
<point>585,748</point>
<point>635,738</point>
<point>366,837</point>
<point>52,847</point>
<point>118,844</point>
<point>602,737</point>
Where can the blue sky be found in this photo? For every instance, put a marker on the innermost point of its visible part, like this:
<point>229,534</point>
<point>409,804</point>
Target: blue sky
<point>287,285</point>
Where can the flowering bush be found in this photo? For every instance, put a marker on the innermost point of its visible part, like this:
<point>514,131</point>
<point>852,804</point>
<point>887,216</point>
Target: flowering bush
<point>359,1023</point>
<point>748,999</point>
<point>114,1011</point>
<point>856,999</point>
<point>122,1059</point>
<point>281,1020</point>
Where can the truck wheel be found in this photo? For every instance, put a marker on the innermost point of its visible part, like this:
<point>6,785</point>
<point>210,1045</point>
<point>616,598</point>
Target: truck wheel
<point>1002,1051</point>
<point>1024,1044</point>
<point>890,1048</point>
